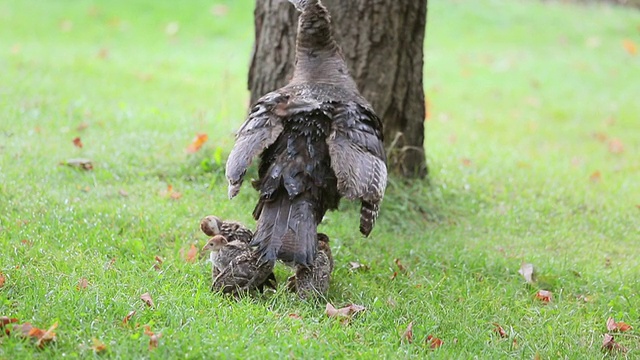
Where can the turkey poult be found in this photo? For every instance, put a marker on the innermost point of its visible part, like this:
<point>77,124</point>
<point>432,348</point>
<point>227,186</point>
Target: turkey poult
<point>235,268</point>
<point>318,140</point>
<point>314,281</point>
<point>223,251</point>
<point>231,230</point>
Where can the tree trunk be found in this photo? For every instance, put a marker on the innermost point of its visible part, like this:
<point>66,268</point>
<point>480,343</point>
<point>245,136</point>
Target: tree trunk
<point>382,41</point>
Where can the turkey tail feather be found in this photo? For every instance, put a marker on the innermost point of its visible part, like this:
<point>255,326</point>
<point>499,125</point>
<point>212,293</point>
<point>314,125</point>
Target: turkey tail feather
<point>286,230</point>
<point>368,216</point>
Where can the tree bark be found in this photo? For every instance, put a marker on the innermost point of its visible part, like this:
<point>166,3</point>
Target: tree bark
<point>382,41</point>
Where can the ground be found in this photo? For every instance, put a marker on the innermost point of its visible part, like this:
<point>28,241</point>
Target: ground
<point>532,144</point>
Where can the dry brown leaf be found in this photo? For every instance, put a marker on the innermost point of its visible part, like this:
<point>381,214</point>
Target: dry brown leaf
<point>527,271</point>
<point>77,142</point>
<point>395,274</point>
<point>399,265</point>
<point>98,346</point>
<point>83,164</point>
<point>434,342</point>
<point>170,193</point>
<point>159,262</point>
<point>544,296</point>
<point>146,297</point>
<point>128,317</point>
<point>611,346</point>
<point>595,177</point>
<point>219,10</point>
<point>466,162</point>
<point>192,254</point>
<point>82,284</point>
<point>4,321</point>
<point>630,46</point>
<point>46,336</point>
<point>295,316</point>
<point>616,146</point>
<point>103,53</point>
<point>620,326</point>
<point>346,311</point>
<point>499,330</point>
<point>408,334</point>
<point>197,143</point>
<point>357,266</point>
<point>153,337</point>
<point>2,279</point>
<point>82,126</point>
<point>600,136</point>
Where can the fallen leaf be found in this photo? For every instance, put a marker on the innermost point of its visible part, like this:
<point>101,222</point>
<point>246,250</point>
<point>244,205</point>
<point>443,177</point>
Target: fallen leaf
<point>499,330</point>
<point>103,53</point>
<point>147,299</point>
<point>4,321</point>
<point>197,143</point>
<point>83,164</point>
<point>82,284</point>
<point>174,195</point>
<point>153,337</point>
<point>219,10</point>
<point>408,334</point>
<point>82,126</point>
<point>600,136</point>
<point>616,146</point>
<point>2,279</point>
<point>434,342</point>
<point>395,274</point>
<point>630,46</point>
<point>596,176</point>
<point>466,162</point>
<point>399,264</point>
<point>526,270</point>
<point>128,317</point>
<point>621,326</point>
<point>153,341</point>
<point>357,266</point>
<point>192,254</point>
<point>77,142</point>
<point>159,262</point>
<point>172,28</point>
<point>544,296</point>
<point>610,345</point>
<point>348,310</point>
<point>98,346</point>
<point>295,316</point>
<point>47,336</point>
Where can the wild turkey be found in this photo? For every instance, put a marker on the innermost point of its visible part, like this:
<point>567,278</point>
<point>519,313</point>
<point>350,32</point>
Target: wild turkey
<point>318,140</point>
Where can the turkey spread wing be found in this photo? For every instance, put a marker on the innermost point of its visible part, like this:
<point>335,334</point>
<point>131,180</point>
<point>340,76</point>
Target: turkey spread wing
<point>259,131</point>
<point>358,159</point>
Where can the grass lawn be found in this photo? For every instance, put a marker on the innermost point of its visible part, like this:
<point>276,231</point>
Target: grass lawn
<point>534,154</point>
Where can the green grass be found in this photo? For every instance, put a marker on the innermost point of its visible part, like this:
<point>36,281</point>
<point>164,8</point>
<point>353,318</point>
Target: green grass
<point>516,92</point>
